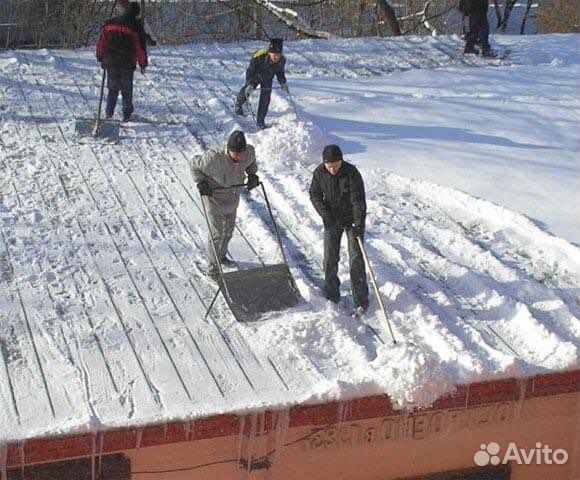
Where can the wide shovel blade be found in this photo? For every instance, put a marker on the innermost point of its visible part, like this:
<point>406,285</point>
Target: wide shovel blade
<point>88,127</point>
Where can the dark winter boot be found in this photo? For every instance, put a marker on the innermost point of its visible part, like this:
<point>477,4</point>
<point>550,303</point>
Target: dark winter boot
<point>488,53</point>
<point>470,49</point>
<point>332,298</point>
<point>226,262</point>
<point>213,275</point>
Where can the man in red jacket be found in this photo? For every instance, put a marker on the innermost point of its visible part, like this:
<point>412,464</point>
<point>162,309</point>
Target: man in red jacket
<point>121,46</point>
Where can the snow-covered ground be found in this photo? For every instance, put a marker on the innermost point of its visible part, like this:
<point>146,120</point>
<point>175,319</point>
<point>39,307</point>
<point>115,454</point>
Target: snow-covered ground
<point>102,292</point>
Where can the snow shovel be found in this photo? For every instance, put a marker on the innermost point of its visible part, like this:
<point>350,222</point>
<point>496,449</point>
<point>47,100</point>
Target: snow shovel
<point>97,128</point>
<point>374,282</point>
<point>293,105</point>
<point>251,293</point>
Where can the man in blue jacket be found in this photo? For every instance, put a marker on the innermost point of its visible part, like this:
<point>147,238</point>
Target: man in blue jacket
<point>266,62</point>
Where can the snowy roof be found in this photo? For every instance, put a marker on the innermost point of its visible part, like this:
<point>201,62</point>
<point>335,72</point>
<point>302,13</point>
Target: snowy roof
<point>102,246</point>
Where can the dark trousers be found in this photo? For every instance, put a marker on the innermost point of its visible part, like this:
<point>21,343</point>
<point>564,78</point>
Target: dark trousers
<point>265,94</point>
<point>120,80</point>
<point>358,276</point>
<point>478,32</point>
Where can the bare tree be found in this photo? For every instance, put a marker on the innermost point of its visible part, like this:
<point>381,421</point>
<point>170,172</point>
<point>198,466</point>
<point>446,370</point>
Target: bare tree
<point>508,7</point>
<point>292,20</point>
<point>559,16</point>
<point>390,17</point>
<point>526,15</point>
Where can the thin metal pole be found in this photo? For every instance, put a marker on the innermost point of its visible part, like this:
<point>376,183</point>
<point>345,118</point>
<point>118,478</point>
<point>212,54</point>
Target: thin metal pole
<point>376,288</point>
<point>212,302</point>
<point>251,109</point>
<point>212,243</point>
<point>293,104</point>
<point>98,119</point>
<point>214,249</point>
<point>274,223</point>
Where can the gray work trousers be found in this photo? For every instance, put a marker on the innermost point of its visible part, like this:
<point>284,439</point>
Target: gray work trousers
<point>222,229</point>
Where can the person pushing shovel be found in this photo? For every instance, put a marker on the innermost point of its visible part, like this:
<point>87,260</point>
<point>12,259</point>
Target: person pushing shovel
<point>266,62</point>
<point>218,175</point>
<point>121,46</point>
<point>338,195</point>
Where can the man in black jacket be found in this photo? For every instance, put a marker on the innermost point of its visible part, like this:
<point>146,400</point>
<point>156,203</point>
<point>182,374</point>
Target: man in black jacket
<point>121,46</point>
<point>478,33</point>
<point>266,62</point>
<point>338,195</point>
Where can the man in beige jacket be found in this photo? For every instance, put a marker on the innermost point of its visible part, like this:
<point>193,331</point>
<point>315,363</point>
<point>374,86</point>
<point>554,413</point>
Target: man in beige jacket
<point>215,172</point>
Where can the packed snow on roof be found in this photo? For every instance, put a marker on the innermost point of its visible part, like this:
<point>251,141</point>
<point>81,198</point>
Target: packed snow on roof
<point>472,185</point>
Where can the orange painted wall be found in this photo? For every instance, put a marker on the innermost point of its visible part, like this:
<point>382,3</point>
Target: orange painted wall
<point>393,447</point>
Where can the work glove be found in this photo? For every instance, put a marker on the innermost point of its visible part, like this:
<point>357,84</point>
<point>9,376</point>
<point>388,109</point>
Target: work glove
<point>284,87</point>
<point>358,230</point>
<point>253,181</point>
<point>249,90</point>
<point>204,189</point>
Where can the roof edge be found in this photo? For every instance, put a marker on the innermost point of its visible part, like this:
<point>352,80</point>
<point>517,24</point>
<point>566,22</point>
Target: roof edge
<point>50,449</point>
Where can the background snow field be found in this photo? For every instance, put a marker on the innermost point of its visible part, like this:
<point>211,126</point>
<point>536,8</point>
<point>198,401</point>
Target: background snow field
<point>471,171</point>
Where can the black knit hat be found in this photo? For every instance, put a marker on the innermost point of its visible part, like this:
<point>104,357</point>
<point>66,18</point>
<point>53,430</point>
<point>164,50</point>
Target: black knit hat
<point>276,45</point>
<point>331,154</point>
<point>133,9</point>
<point>237,141</point>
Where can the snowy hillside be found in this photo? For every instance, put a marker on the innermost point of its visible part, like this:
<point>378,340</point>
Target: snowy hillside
<point>102,246</point>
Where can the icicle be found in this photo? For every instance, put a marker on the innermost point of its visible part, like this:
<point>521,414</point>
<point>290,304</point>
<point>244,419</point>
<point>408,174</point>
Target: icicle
<point>241,439</point>
<point>93,456</point>
<point>340,415</point>
<point>522,391</point>
<point>251,444</point>
<point>404,429</point>
<point>282,422</point>
<point>139,438</point>
<point>4,460</point>
<point>22,457</point>
<point>100,446</point>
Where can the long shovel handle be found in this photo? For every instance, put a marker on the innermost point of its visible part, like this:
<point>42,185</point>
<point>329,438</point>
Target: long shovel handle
<point>274,223</point>
<point>214,248</point>
<point>98,119</point>
<point>237,185</point>
<point>293,105</point>
<point>251,109</point>
<point>376,288</point>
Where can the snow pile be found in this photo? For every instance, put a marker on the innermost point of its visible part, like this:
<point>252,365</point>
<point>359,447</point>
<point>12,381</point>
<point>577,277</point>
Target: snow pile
<point>292,140</point>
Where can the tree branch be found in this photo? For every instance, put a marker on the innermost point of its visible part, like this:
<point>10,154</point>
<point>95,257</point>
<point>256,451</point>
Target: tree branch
<point>292,20</point>
<point>424,18</point>
<point>390,17</point>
